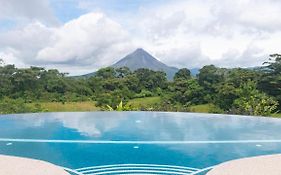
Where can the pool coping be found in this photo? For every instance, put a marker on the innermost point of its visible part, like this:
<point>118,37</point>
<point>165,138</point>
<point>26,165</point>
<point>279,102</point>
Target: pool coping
<point>18,165</point>
<point>260,165</point>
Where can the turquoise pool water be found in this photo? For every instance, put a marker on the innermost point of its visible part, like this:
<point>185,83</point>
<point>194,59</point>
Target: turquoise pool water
<point>138,142</point>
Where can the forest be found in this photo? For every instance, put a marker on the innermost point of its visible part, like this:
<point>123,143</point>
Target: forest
<point>255,91</point>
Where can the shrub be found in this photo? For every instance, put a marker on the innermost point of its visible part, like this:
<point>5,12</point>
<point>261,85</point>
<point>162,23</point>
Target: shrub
<point>8,106</point>
<point>253,102</point>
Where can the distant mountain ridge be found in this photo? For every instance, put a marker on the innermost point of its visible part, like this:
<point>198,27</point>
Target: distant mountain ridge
<point>142,59</point>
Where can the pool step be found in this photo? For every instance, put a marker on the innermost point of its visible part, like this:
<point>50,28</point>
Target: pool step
<point>138,169</point>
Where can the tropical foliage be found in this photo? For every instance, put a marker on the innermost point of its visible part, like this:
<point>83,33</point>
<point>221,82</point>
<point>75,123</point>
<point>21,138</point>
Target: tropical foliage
<point>235,91</point>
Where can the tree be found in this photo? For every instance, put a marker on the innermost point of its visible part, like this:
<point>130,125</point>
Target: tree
<point>239,91</point>
<point>209,78</point>
<point>225,92</point>
<point>25,81</point>
<point>274,64</point>
<point>182,74</point>
<point>1,62</point>
<point>187,92</point>
<point>150,79</point>
<point>270,82</point>
<point>253,102</point>
<point>225,96</point>
<point>95,84</point>
<point>122,72</point>
<point>6,86</point>
<point>133,83</point>
<point>106,73</point>
<point>238,76</point>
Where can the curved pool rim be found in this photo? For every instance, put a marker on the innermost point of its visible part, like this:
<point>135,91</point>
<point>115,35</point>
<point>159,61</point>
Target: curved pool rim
<point>182,136</point>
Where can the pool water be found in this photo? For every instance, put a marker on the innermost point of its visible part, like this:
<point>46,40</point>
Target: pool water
<point>138,142</point>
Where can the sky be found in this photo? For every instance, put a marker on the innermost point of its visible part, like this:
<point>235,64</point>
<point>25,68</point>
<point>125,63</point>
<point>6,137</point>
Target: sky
<point>81,36</point>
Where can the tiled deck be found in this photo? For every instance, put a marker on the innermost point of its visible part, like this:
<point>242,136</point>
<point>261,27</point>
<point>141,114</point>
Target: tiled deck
<point>261,165</point>
<point>18,166</point>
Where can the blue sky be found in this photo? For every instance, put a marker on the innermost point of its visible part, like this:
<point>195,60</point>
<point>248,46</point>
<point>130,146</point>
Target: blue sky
<point>80,36</point>
<point>67,10</point>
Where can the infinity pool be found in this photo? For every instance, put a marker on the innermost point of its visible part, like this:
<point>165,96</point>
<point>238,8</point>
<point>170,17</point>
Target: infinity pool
<point>137,142</point>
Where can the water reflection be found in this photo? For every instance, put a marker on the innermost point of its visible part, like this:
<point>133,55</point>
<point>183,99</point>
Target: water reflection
<point>90,124</point>
<point>138,126</point>
<point>153,126</point>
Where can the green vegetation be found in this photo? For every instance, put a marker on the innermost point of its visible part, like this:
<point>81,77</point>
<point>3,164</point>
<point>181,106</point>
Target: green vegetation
<point>213,90</point>
<point>8,105</point>
<point>65,107</point>
<point>144,103</point>
<point>121,107</point>
<point>276,115</point>
<point>205,108</point>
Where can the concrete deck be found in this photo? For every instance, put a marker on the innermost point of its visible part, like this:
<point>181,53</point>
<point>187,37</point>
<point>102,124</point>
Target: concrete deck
<point>18,166</point>
<point>261,165</point>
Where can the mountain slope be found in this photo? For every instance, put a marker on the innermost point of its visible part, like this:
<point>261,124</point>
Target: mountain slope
<point>142,59</point>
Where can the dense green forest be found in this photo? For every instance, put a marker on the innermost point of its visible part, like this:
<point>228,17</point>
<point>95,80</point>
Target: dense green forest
<point>234,91</point>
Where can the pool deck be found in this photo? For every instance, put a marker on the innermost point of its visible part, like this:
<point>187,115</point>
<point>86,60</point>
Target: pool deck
<point>261,165</point>
<point>10,165</point>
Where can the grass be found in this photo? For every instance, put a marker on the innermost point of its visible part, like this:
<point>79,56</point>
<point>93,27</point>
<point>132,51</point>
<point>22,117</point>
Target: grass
<point>144,102</point>
<point>205,108</point>
<point>139,103</point>
<point>276,115</point>
<point>91,106</point>
<point>67,107</point>
<point>210,108</point>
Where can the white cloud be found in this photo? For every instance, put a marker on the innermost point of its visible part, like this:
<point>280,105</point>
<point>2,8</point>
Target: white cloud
<point>197,32</point>
<point>260,15</point>
<point>91,39</point>
<point>8,56</point>
<point>180,33</point>
<point>79,46</point>
<point>24,43</point>
<point>91,125</point>
<point>27,10</point>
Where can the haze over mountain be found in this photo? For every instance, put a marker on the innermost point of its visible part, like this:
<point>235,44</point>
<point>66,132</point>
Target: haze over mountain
<point>142,59</point>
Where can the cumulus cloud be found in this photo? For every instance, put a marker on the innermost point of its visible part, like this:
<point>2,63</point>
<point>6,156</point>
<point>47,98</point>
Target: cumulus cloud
<point>180,33</point>
<point>9,57</point>
<point>28,9</point>
<point>88,42</point>
<point>91,39</point>
<point>258,15</point>
<point>229,33</point>
<point>22,44</point>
